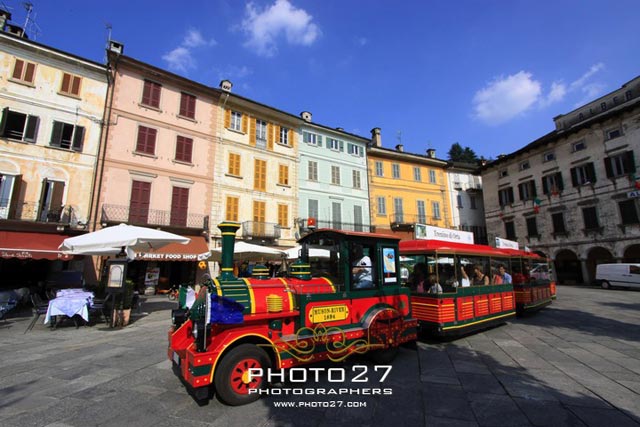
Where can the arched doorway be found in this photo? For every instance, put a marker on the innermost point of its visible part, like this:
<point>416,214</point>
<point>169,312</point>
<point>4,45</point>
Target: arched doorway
<point>632,254</point>
<point>597,255</point>
<point>567,267</point>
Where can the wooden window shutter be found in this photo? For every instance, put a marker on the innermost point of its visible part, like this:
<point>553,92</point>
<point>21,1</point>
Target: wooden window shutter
<point>245,120</point>
<point>591,173</point>
<point>66,80</point>
<point>252,131</point>
<point>629,162</point>
<point>292,138</point>
<point>3,123</point>
<point>545,186</point>
<point>17,69</point>
<point>56,135</point>
<point>75,86</point>
<point>78,138</point>
<point>227,119</point>
<point>574,177</point>
<point>28,75</point>
<point>607,167</point>
<point>270,136</point>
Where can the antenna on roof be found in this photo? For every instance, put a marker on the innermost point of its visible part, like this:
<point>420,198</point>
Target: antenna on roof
<point>399,136</point>
<point>29,23</point>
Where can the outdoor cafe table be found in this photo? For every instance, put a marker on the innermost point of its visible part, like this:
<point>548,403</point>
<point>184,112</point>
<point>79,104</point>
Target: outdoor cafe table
<point>69,302</point>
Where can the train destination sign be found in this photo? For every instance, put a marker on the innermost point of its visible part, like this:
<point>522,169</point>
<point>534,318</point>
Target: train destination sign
<point>423,231</point>
<point>328,313</point>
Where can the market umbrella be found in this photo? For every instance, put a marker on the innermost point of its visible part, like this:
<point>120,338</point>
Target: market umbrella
<point>112,240</point>
<point>243,251</point>
<point>294,252</point>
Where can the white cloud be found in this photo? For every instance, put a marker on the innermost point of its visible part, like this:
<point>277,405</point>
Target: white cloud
<point>578,84</point>
<point>506,97</point>
<point>232,72</point>
<point>265,27</point>
<point>181,58</point>
<point>556,94</point>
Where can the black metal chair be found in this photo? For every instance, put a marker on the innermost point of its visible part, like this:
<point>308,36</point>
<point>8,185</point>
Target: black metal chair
<point>39,307</point>
<point>102,308</point>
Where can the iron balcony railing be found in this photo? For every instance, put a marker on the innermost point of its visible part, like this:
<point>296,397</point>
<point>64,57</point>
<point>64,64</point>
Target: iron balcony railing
<point>260,230</point>
<point>145,217</point>
<point>37,212</point>
<point>345,226</point>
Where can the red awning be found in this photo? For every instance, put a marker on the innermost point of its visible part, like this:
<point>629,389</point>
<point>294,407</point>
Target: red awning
<point>25,245</point>
<point>196,250</point>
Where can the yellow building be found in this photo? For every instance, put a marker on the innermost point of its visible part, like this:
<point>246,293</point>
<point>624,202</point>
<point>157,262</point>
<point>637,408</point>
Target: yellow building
<point>406,189</point>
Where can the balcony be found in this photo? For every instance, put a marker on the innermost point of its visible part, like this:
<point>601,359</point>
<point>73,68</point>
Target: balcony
<point>36,212</point>
<point>345,226</point>
<point>404,222</point>
<point>115,214</point>
<point>260,230</point>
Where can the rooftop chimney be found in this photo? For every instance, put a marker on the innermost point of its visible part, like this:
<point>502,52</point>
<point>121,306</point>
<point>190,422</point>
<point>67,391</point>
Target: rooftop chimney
<point>431,153</point>
<point>226,85</point>
<point>400,148</point>
<point>116,47</point>
<point>4,17</point>
<point>340,129</point>
<point>376,138</point>
<point>306,116</point>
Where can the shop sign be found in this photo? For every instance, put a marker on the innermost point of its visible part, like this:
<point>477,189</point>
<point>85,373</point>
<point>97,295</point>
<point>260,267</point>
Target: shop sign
<point>506,244</point>
<point>423,231</point>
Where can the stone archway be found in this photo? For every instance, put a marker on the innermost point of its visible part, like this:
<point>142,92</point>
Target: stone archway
<point>632,254</point>
<point>597,255</point>
<point>567,266</point>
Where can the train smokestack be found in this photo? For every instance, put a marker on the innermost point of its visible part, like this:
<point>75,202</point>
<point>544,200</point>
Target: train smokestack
<point>228,230</point>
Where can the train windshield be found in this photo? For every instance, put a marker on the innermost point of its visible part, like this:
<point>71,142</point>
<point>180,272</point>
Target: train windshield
<point>323,256</point>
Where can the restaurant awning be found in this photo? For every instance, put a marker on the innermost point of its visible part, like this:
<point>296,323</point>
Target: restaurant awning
<point>27,245</point>
<point>196,250</point>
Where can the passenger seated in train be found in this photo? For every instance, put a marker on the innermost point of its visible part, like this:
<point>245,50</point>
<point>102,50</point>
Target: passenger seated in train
<point>478,277</point>
<point>502,277</point>
<point>434,286</point>
<point>418,278</point>
<point>362,268</point>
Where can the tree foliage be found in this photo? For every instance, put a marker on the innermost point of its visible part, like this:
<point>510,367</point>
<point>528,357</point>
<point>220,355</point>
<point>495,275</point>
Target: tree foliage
<point>459,154</point>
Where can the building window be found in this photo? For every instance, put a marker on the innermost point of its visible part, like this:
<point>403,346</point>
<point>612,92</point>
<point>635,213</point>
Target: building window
<point>583,174</point>
<point>379,170</point>
<point>260,175</point>
<point>510,230</point>
<point>398,210</point>
<point>50,209</point>
<point>527,190</point>
<point>557,219</point>
<point>590,217</point>
<point>19,126</point>
<point>336,215</point>
<point>357,218</point>
<point>284,136</point>
<point>333,144</point>
<point>525,165</point>
<point>67,136</point>
<point>234,164</point>
<point>187,105</point>
<point>629,212</point>
<point>313,208</point>
<point>503,173</point>
<point>311,138</point>
<point>547,157</point>
<point>613,133</point>
<point>552,184</point>
<point>24,71</point>
<point>283,215</point>
<point>179,206</point>
<point>70,84</point>
<point>417,174</point>
<point>435,207</point>
<point>312,171</point>
<point>382,205</point>
<point>232,208</point>
<point>355,150</point>
<point>261,134</point>
<point>422,212</point>
<point>184,149</point>
<point>335,175</point>
<point>139,202</point>
<point>146,142</point>
<point>356,179</point>
<point>283,175</point>
<point>578,146</point>
<point>622,164</point>
<point>532,227</point>
<point>151,94</point>
<point>432,176</point>
<point>236,121</point>
<point>505,196</point>
<point>395,171</point>
<point>472,202</point>
<point>459,201</point>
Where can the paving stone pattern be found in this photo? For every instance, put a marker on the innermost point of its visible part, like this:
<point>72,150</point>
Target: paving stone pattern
<point>575,363</point>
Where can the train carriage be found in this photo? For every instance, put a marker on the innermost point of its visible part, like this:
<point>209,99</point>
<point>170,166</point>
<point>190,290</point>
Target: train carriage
<point>460,308</point>
<point>240,327</point>
<point>533,280</point>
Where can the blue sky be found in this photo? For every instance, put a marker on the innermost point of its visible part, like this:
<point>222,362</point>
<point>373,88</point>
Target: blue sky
<point>488,74</point>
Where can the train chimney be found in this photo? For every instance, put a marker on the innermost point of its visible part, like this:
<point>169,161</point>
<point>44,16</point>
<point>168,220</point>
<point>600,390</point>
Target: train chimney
<point>228,230</point>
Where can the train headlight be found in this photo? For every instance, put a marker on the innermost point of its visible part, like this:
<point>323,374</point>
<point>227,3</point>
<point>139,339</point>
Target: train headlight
<point>195,332</point>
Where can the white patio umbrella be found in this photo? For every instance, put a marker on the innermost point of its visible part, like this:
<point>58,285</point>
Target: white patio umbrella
<point>243,251</point>
<point>294,252</point>
<point>111,240</point>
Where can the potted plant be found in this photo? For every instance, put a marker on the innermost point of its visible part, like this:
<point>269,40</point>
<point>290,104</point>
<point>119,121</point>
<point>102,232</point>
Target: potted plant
<point>123,304</point>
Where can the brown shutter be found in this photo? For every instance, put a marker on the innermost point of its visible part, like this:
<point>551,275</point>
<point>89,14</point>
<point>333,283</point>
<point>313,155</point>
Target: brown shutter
<point>245,119</point>
<point>66,78</point>
<point>227,119</point>
<point>292,138</point>
<point>17,69</point>
<point>15,196</point>
<point>252,132</point>
<point>270,136</point>
<point>139,204</point>
<point>179,206</point>
<point>28,75</point>
<point>75,88</point>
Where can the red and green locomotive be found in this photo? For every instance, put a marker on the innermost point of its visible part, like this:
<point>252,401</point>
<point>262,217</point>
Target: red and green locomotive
<point>350,302</point>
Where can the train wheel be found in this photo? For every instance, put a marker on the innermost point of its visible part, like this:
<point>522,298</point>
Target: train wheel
<point>385,356</point>
<point>232,379</point>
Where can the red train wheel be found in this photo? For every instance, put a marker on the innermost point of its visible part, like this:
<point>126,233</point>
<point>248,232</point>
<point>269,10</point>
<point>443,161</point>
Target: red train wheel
<point>232,379</point>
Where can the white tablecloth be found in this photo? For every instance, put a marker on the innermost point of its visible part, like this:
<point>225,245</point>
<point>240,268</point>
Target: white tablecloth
<point>69,305</point>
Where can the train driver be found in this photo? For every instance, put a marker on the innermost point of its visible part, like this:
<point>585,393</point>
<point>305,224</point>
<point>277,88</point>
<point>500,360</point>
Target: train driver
<point>361,271</point>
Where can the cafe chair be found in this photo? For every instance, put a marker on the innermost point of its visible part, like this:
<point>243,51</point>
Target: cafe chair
<point>39,307</point>
<point>101,308</point>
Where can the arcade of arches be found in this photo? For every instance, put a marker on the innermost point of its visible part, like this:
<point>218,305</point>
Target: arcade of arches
<point>570,269</point>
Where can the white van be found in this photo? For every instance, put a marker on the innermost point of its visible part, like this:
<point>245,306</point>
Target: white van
<point>624,275</point>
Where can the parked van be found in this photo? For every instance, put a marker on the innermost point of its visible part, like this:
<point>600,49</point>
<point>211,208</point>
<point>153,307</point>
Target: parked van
<point>624,275</point>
